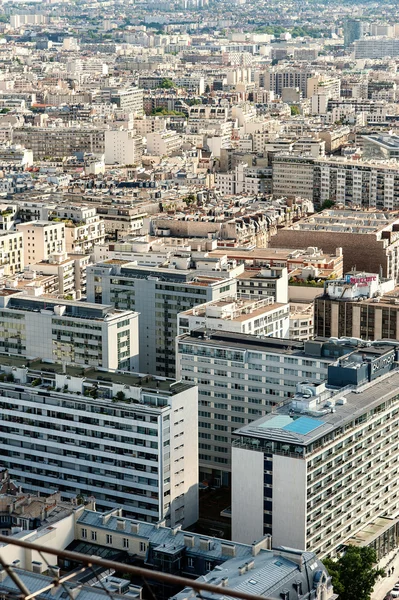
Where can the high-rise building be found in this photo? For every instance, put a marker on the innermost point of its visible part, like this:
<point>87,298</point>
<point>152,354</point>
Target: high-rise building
<point>323,470</point>
<point>241,377</point>
<point>128,439</point>
<point>158,294</point>
<point>353,30</point>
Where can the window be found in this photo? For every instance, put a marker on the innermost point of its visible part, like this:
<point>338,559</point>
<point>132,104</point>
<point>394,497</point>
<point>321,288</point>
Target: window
<point>190,562</point>
<point>94,536</point>
<point>125,542</point>
<point>143,547</point>
<point>208,566</point>
<point>108,539</point>
<point>84,534</point>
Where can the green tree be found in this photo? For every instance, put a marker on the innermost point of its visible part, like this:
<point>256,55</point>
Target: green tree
<point>354,574</point>
<point>167,84</point>
<point>327,204</point>
<point>295,110</point>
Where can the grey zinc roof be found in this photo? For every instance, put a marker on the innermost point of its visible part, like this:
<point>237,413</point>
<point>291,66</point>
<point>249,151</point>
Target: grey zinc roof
<point>35,582</point>
<point>158,536</point>
<point>267,574</point>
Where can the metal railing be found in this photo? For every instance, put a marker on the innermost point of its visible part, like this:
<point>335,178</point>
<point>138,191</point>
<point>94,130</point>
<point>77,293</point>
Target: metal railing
<point>89,561</point>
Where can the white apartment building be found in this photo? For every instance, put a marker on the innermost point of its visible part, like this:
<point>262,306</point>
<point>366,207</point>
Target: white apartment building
<point>158,294</point>
<point>293,176</point>
<point>269,281</point>
<point>123,146</point>
<point>119,222</point>
<point>163,143</point>
<point>149,124</point>
<point>16,156</point>
<point>41,239</point>
<point>301,320</point>
<point>70,271</point>
<point>239,378</point>
<point>11,252</point>
<point>83,237</point>
<point>68,331</point>
<point>329,457</point>
<point>376,47</point>
<point>129,439</point>
<point>260,317</point>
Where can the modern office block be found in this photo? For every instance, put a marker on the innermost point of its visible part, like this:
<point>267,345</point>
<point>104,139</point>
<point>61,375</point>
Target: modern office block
<point>353,30</point>
<point>128,439</point>
<point>323,470</point>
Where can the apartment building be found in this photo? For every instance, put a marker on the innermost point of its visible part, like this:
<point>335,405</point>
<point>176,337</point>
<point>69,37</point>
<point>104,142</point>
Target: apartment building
<point>302,321</point>
<point>276,264</point>
<point>260,317</point>
<point>121,221</point>
<point>276,79</point>
<point>70,272</point>
<point>159,294</point>
<point>129,439</point>
<point>376,47</point>
<point>56,142</point>
<point>239,378</point>
<point>123,146</point>
<point>15,156</point>
<point>161,548</point>
<point>41,239</point>
<point>293,176</point>
<point>353,231</point>
<point>330,457</point>
<point>259,283</point>
<point>163,143</point>
<point>11,252</point>
<point>69,331</point>
<point>128,100</point>
<point>366,183</point>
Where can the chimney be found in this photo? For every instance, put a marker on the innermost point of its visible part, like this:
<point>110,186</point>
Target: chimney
<point>189,541</point>
<point>120,524</point>
<point>105,519</point>
<point>176,529</point>
<point>250,565</point>
<point>134,527</point>
<point>205,544</point>
<point>3,575</point>
<point>54,570</point>
<point>225,581</point>
<point>37,567</point>
<point>228,549</point>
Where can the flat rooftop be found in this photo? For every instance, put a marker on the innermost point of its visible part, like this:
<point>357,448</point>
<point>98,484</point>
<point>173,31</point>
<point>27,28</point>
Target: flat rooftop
<point>294,428</point>
<point>148,382</point>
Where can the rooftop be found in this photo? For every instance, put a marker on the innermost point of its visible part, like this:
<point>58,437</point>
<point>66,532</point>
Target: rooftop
<point>285,426</point>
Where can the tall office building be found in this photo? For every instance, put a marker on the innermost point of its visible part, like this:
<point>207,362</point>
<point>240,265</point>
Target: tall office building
<point>353,30</point>
<point>159,294</point>
<point>323,470</point>
<point>241,377</point>
<point>128,439</point>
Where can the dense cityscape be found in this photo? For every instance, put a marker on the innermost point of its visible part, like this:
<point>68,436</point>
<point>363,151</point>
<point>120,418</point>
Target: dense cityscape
<point>199,300</point>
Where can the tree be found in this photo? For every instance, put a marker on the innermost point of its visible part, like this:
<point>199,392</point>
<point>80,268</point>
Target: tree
<point>295,110</point>
<point>167,84</point>
<point>327,204</point>
<point>354,574</point>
